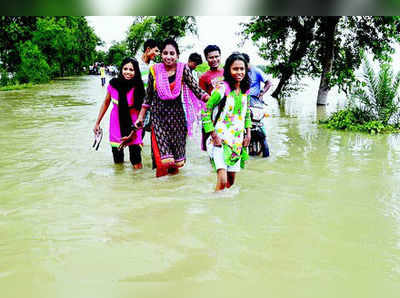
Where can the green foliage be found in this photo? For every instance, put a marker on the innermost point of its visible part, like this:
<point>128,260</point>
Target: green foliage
<point>33,67</point>
<point>379,96</point>
<point>158,28</point>
<point>374,106</point>
<point>283,42</point>
<point>100,56</point>
<point>116,53</point>
<point>202,68</point>
<point>5,79</point>
<point>66,44</point>
<point>173,27</point>
<point>14,30</point>
<point>139,32</point>
<point>347,120</point>
<point>16,87</point>
<point>297,46</point>
<point>356,35</point>
<point>343,119</point>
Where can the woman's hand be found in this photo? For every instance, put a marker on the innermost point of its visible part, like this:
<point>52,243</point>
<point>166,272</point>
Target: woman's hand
<point>125,141</point>
<point>96,128</point>
<point>246,140</point>
<point>216,139</point>
<point>139,122</point>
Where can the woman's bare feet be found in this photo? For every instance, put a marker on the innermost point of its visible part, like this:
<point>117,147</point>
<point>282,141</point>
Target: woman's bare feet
<point>138,166</point>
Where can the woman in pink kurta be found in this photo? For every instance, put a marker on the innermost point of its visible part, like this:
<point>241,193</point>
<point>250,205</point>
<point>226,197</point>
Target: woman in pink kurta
<point>126,92</point>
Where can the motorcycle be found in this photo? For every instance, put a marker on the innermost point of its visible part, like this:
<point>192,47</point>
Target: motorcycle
<point>258,143</point>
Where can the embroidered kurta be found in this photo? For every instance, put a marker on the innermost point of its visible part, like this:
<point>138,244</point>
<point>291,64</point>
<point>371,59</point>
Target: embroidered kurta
<point>115,131</point>
<point>169,127</point>
<point>231,124</point>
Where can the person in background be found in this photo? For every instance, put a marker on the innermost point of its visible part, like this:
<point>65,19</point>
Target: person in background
<point>126,92</point>
<point>150,51</point>
<point>102,75</point>
<point>230,129</point>
<point>210,78</point>
<point>194,60</point>
<point>191,104</point>
<point>257,77</point>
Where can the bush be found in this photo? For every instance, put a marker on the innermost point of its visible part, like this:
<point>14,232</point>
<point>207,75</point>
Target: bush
<point>374,106</point>
<point>347,120</point>
<point>377,94</point>
<point>202,68</point>
<point>33,67</point>
<point>5,78</point>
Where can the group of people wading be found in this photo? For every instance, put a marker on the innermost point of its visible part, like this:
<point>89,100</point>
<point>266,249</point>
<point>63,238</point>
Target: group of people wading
<point>168,99</point>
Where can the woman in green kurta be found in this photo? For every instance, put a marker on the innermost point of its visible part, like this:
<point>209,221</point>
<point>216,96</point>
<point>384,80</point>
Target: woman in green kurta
<point>230,130</point>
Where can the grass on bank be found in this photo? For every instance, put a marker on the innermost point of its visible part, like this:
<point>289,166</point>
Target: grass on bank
<point>16,87</point>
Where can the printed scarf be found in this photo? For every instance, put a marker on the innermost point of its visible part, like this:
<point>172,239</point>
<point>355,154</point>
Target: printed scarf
<point>162,83</point>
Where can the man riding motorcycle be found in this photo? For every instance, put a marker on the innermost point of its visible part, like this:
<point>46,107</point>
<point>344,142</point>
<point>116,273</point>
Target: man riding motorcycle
<point>257,106</point>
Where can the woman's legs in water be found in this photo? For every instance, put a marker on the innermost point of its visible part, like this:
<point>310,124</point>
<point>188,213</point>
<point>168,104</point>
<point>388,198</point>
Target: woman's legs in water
<point>222,180</point>
<point>135,156</point>
<point>231,179</point>
<point>117,155</point>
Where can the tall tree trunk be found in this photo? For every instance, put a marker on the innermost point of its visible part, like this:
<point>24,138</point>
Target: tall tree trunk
<point>304,36</point>
<point>329,27</point>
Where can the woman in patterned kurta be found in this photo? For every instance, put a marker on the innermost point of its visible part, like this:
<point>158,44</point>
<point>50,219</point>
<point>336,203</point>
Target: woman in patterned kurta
<point>169,127</point>
<point>227,144</point>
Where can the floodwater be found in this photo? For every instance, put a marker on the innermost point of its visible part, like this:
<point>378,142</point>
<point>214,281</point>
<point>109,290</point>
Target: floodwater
<point>319,218</point>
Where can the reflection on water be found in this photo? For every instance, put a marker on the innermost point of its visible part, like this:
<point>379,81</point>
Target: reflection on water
<point>320,217</point>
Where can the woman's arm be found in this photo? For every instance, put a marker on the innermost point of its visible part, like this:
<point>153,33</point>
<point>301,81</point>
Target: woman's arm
<point>193,85</point>
<point>103,110</point>
<point>150,92</point>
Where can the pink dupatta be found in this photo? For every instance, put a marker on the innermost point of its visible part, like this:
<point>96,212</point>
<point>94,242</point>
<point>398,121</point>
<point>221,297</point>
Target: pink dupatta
<point>193,107</point>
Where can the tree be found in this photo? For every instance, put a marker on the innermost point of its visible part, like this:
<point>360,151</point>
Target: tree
<point>33,67</point>
<point>327,31</point>
<point>61,45</point>
<point>116,53</point>
<point>158,28</point>
<point>100,56</point>
<point>14,30</point>
<point>283,41</point>
<point>341,49</point>
<point>379,98</point>
<point>138,32</point>
<point>325,47</point>
<point>86,42</point>
<point>67,42</point>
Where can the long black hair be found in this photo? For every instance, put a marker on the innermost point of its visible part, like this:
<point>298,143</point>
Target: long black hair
<point>135,82</point>
<point>245,83</point>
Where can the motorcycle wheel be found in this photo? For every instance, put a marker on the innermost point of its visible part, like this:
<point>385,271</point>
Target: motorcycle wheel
<point>255,148</point>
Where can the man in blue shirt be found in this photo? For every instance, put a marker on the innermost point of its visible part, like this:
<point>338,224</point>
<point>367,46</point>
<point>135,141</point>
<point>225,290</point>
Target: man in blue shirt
<point>256,77</point>
<point>256,94</point>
